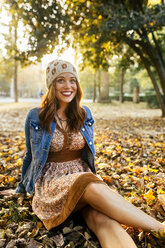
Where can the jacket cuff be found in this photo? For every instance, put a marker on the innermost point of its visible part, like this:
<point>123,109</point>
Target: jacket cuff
<point>20,188</point>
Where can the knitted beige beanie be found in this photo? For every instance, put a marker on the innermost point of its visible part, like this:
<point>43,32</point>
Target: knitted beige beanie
<point>56,67</point>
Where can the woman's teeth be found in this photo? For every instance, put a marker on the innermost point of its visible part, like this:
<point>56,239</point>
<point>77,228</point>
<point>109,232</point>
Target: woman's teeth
<point>66,93</point>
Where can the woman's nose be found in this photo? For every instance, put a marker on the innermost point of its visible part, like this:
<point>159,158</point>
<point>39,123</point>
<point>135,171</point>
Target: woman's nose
<point>67,84</point>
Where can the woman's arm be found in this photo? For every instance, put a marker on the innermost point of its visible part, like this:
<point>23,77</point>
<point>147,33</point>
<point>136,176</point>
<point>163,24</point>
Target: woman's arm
<point>28,156</point>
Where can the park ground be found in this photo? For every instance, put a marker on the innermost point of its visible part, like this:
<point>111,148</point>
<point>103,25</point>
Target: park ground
<point>130,157</point>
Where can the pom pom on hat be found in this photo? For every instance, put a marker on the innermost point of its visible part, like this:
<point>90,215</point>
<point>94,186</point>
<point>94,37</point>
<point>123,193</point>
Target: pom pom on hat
<point>56,67</point>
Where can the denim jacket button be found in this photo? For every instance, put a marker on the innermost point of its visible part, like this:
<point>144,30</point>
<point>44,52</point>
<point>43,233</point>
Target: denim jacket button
<point>89,124</point>
<point>90,142</point>
<point>83,129</point>
<point>36,127</point>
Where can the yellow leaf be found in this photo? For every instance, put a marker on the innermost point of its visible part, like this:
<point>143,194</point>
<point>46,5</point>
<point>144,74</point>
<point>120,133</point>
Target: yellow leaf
<point>22,147</point>
<point>119,147</point>
<point>10,152</point>
<point>11,179</point>
<point>104,136</point>
<point>151,24</point>
<point>150,185</point>
<point>161,160</point>
<point>128,159</point>
<point>104,151</point>
<point>102,165</point>
<point>8,159</point>
<point>98,145</point>
<point>149,195</point>
<point>137,161</point>
<point>2,147</point>
<point>108,150</point>
<point>16,149</point>
<point>153,170</point>
<point>39,224</point>
<point>22,134</point>
<point>158,144</point>
<point>138,171</point>
<point>19,161</point>
<point>108,179</point>
<point>36,229</point>
<point>160,191</point>
<point>146,178</point>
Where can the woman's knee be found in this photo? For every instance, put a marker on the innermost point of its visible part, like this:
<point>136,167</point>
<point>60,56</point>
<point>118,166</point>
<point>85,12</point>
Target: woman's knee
<point>94,218</point>
<point>92,189</point>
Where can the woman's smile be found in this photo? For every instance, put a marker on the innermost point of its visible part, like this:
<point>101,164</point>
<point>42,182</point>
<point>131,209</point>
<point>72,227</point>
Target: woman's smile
<point>66,93</point>
<point>66,87</point>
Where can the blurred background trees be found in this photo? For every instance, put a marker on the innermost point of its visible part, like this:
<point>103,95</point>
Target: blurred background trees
<point>103,28</point>
<point>119,46</point>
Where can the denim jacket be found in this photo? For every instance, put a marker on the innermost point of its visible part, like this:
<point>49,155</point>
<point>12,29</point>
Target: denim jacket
<point>37,148</point>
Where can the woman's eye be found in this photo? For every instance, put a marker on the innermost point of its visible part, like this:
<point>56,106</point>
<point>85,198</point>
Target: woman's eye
<point>60,80</point>
<point>73,81</point>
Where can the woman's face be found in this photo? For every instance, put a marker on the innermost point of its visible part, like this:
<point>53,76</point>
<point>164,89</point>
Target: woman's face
<point>66,87</point>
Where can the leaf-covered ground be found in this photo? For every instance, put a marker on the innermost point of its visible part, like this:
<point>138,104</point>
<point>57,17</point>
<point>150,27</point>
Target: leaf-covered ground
<point>130,157</point>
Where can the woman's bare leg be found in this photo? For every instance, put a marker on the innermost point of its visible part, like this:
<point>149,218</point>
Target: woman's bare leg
<point>100,197</point>
<point>108,231</point>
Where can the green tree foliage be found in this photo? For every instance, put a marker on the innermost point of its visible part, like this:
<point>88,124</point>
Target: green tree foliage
<point>104,27</point>
<point>100,29</point>
<point>46,24</point>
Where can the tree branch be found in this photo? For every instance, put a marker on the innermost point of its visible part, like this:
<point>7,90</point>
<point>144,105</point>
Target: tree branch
<point>158,48</point>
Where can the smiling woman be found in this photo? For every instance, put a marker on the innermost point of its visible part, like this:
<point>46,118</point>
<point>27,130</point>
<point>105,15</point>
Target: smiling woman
<point>59,165</point>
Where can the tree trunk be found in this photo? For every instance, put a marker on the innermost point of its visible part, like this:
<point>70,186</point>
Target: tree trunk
<point>104,97</point>
<point>160,68</point>
<point>99,83</point>
<point>136,94</point>
<point>150,73</point>
<point>155,55</point>
<point>121,85</point>
<point>158,94</point>
<point>15,61</point>
<point>94,88</point>
<point>15,81</point>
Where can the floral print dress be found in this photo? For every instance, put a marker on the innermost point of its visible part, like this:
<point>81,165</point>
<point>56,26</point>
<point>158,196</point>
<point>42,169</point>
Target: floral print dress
<point>63,179</point>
